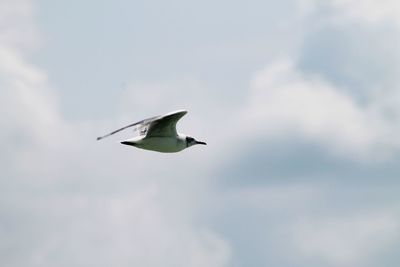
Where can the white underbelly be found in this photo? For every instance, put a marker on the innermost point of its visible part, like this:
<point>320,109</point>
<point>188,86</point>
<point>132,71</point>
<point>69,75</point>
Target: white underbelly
<point>161,144</point>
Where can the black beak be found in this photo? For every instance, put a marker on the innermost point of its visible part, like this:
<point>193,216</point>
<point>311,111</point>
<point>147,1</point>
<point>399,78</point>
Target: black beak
<point>201,143</point>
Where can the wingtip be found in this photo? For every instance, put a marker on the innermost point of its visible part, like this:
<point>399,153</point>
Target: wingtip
<point>98,138</point>
<point>178,111</point>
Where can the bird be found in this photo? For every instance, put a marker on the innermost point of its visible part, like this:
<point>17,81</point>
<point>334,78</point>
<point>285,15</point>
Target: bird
<point>159,134</point>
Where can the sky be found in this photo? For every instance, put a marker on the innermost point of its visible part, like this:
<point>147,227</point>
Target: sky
<point>298,101</point>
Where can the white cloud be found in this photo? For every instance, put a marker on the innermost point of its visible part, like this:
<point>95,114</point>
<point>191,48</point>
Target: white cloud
<point>46,154</point>
<point>28,105</point>
<point>138,229</point>
<point>365,11</point>
<point>345,241</point>
<point>17,27</point>
<point>80,203</point>
<point>371,11</point>
<point>284,102</point>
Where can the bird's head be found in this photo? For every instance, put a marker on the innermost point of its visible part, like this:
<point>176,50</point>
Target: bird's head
<point>190,141</point>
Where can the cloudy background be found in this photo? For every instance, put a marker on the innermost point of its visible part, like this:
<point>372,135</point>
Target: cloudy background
<point>298,100</point>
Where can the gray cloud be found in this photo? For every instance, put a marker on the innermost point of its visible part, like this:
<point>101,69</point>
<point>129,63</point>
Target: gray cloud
<point>65,201</point>
<point>340,55</point>
<point>259,194</point>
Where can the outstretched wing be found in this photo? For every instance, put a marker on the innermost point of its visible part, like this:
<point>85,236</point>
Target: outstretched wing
<point>141,125</point>
<point>165,126</point>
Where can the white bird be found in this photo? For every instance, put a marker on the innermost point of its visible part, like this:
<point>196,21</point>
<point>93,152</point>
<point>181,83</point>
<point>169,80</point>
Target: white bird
<point>159,134</point>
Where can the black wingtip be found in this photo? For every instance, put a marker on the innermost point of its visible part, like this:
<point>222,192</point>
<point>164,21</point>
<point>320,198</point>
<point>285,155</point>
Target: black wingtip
<point>98,138</point>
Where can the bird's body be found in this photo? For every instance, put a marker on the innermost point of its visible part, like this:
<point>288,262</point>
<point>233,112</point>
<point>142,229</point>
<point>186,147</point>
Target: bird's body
<point>159,144</point>
<point>159,134</point>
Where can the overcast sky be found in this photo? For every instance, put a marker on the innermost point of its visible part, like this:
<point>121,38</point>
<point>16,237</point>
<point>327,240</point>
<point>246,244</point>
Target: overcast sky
<point>298,100</point>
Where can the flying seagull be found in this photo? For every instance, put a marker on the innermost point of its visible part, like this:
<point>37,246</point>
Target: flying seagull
<point>159,134</point>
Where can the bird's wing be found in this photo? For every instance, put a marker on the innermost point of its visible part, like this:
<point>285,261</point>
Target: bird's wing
<point>142,125</point>
<point>165,126</point>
